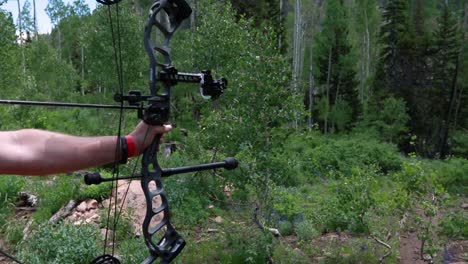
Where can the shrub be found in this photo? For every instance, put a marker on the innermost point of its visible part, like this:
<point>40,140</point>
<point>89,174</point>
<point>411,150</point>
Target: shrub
<point>452,174</point>
<point>454,225</point>
<point>339,156</point>
<point>286,228</point>
<point>306,231</point>
<point>65,189</point>
<point>60,244</point>
<point>9,188</point>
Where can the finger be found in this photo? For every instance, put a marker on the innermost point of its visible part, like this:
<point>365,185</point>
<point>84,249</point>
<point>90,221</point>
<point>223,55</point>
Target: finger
<point>162,129</point>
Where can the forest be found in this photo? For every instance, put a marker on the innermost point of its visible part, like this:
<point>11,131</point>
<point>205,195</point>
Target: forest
<point>348,118</point>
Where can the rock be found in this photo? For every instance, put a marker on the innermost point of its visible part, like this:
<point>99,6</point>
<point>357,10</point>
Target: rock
<point>27,199</point>
<point>92,204</point>
<point>81,207</point>
<point>218,219</point>
<point>464,206</point>
<point>106,203</point>
<point>95,217</point>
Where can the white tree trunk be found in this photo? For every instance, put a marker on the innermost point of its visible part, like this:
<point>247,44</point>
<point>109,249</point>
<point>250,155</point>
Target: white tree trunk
<point>23,63</point>
<point>298,52</point>
<point>36,33</point>
<point>311,79</point>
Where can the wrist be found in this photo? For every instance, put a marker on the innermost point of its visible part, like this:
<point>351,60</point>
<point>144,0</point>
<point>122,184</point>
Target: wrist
<point>127,148</point>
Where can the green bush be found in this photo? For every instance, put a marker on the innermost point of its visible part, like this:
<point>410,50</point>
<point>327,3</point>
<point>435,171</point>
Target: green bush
<point>340,155</point>
<point>286,228</point>
<point>62,243</point>
<point>454,225</point>
<point>306,231</point>
<point>97,192</point>
<point>246,245</point>
<point>452,174</point>
<point>9,188</point>
<point>460,143</point>
<point>65,188</point>
<point>352,198</point>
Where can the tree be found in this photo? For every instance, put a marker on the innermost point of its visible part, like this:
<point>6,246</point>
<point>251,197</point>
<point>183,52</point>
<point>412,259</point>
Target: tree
<point>392,32</point>
<point>27,21</point>
<point>446,64</point>
<point>263,11</point>
<point>336,63</point>
<point>10,62</point>
<point>367,20</point>
<point>57,10</point>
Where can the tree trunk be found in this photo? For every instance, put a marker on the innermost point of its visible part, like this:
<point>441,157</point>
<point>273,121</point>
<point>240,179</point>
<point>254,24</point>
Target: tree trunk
<point>328,89</point>
<point>280,44</point>
<point>23,63</point>
<point>443,147</point>
<point>36,33</point>
<point>59,42</point>
<point>297,53</point>
<point>310,120</point>
<point>368,52</point>
<point>82,70</point>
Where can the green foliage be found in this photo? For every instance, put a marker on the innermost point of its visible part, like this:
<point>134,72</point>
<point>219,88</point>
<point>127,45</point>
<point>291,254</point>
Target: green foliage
<point>335,59</point>
<point>257,96</point>
<point>60,244</point>
<point>306,231</point>
<point>357,257</point>
<point>454,225</point>
<point>339,156</point>
<point>97,192</point>
<point>284,254</point>
<point>13,234</point>
<point>418,179</point>
<point>9,188</point>
<point>460,143</point>
<point>452,174</point>
<point>355,197</point>
<point>188,200</point>
<point>65,189</point>
<point>10,65</point>
<point>287,202</point>
<point>389,118</point>
<point>132,250</point>
<point>285,228</point>
<point>246,245</point>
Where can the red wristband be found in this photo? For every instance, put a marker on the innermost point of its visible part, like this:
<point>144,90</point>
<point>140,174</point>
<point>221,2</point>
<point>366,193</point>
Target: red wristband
<point>130,146</point>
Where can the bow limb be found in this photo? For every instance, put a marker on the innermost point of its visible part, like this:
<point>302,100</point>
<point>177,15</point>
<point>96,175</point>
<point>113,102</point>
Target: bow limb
<point>160,236</point>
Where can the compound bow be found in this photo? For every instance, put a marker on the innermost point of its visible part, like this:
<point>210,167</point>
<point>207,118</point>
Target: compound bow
<point>165,17</point>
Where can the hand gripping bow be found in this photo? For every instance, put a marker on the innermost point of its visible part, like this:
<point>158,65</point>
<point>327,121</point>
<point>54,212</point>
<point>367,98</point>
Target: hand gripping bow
<point>161,238</point>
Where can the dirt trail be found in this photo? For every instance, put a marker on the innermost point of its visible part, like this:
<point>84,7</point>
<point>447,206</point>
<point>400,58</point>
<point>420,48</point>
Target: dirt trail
<point>410,248</point>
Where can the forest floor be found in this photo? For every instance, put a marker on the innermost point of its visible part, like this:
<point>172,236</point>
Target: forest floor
<point>454,252</point>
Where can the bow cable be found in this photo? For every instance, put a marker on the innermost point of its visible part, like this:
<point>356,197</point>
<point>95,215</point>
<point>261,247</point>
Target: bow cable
<point>119,70</point>
<point>115,171</point>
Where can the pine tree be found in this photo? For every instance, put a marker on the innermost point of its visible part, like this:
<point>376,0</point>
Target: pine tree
<point>392,33</point>
<point>446,65</point>
<point>336,63</point>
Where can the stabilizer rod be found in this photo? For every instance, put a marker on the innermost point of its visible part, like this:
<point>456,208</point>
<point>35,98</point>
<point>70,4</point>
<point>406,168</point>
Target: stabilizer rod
<point>228,163</point>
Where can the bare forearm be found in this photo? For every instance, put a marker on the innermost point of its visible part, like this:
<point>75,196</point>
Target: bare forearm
<point>38,152</point>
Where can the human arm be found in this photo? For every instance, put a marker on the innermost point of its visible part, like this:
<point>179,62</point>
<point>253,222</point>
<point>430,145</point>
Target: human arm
<point>40,152</point>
